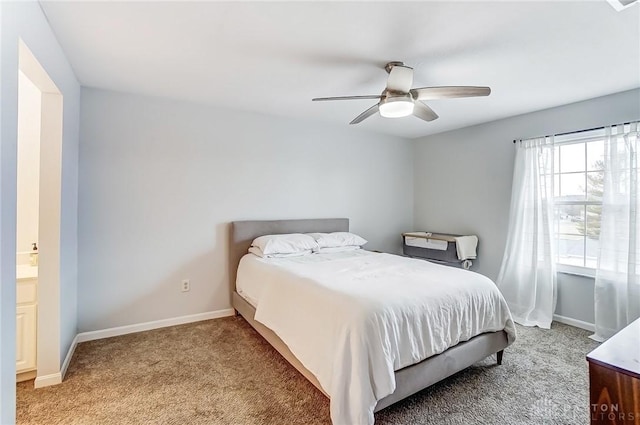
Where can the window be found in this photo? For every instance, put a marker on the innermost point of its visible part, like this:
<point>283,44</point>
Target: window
<point>578,187</point>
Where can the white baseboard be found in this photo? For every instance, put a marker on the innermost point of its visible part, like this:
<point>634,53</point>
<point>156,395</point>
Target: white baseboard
<point>156,324</point>
<point>575,322</point>
<point>56,378</point>
<point>67,359</point>
<point>47,380</point>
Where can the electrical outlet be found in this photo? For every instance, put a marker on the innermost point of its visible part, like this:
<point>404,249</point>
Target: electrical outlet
<point>186,285</point>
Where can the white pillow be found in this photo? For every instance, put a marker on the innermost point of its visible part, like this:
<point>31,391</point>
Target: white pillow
<point>337,249</point>
<point>330,240</point>
<point>284,244</point>
<point>257,251</point>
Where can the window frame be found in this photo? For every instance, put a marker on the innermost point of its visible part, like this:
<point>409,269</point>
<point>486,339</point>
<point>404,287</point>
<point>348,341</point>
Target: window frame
<point>583,138</point>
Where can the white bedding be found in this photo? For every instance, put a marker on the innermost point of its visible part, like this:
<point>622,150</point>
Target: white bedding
<point>250,281</point>
<point>353,318</point>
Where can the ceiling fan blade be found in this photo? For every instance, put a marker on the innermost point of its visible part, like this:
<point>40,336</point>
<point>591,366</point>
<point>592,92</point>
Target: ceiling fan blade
<point>400,79</point>
<point>366,114</point>
<point>449,92</point>
<point>424,112</point>
<point>371,96</point>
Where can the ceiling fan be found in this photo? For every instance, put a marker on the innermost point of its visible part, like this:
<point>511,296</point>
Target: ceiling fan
<point>398,99</point>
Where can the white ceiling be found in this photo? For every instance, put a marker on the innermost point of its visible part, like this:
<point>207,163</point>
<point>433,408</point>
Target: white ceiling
<point>274,57</point>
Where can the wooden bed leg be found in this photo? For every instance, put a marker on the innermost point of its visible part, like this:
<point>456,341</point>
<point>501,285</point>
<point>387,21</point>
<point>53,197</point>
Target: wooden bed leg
<point>499,356</point>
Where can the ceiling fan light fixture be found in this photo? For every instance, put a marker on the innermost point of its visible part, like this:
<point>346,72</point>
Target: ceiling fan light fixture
<point>396,107</point>
<point>399,99</point>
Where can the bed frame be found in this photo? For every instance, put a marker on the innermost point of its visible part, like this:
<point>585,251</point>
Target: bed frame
<point>410,379</point>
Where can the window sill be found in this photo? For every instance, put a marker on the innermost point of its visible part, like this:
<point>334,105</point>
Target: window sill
<point>576,271</point>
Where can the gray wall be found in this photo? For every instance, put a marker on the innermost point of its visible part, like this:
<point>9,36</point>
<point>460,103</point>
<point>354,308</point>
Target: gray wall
<point>160,180</point>
<point>25,20</point>
<point>462,181</point>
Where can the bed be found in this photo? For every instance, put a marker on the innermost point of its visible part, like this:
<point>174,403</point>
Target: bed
<point>408,379</point>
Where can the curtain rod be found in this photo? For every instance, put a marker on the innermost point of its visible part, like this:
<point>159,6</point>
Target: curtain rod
<point>573,132</point>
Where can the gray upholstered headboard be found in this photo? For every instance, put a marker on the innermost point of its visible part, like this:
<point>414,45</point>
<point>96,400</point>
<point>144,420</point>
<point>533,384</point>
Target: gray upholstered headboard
<point>244,232</point>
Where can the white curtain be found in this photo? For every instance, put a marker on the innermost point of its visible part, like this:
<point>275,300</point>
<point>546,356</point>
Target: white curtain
<point>617,293</point>
<point>527,277</point>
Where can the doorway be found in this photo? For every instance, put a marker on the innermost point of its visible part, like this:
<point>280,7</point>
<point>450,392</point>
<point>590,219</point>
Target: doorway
<point>41,220</point>
<point>27,217</point>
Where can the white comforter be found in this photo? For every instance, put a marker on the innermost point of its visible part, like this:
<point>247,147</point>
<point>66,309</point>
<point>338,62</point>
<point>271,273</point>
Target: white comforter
<point>355,318</point>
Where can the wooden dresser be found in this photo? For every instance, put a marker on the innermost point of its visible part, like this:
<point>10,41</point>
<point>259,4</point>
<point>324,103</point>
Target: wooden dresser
<point>614,379</point>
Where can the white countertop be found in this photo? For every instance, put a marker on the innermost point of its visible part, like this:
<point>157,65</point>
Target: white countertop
<point>26,271</point>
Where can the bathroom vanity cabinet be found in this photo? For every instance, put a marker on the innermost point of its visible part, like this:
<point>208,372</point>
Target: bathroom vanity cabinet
<point>26,324</point>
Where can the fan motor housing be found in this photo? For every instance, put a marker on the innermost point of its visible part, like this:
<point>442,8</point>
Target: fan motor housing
<point>390,66</point>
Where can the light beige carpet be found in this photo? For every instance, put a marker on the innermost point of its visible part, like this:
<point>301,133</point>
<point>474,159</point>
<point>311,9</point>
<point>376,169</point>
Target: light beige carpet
<point>222,372</point>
